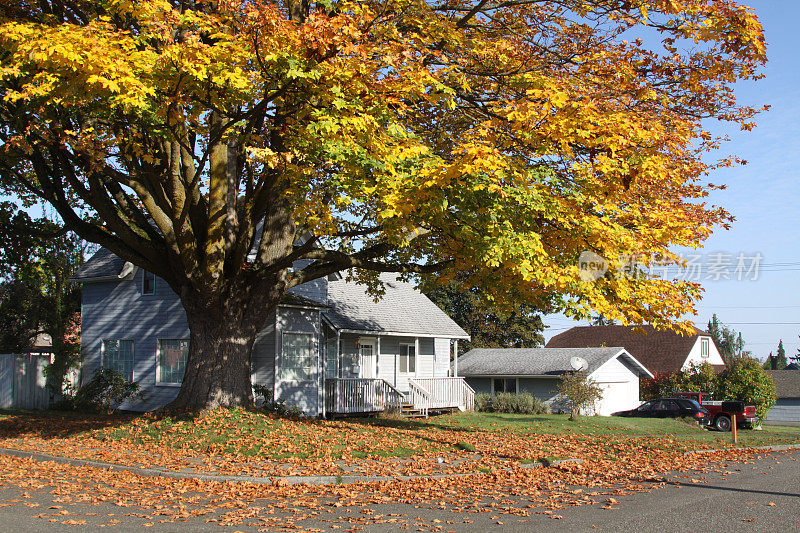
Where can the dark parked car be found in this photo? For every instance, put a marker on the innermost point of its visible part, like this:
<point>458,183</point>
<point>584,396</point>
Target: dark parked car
<point>670,408</point>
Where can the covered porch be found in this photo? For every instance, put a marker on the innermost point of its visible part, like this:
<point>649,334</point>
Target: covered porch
<point>347,396</point>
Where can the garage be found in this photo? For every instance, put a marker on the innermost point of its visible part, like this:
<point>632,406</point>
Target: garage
<point>787,407</point>
<point>537,371</point>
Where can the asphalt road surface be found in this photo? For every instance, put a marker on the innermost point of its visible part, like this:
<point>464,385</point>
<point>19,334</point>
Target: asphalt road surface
<point>763,495</point>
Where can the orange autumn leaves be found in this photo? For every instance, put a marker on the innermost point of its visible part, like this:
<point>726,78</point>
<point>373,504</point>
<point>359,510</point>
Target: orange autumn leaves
<point>613,465</point>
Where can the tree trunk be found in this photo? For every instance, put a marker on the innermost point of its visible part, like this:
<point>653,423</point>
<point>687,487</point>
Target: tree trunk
<point>221,340</point>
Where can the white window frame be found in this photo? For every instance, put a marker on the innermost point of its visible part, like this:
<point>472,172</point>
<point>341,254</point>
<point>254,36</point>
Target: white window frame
<point>133,354</point>
<point>516,383</point>
<point>312,366</point>
<point>705,348</point>
<point>405,346</point>
<point>158,366</point>
<point>331,355</point>
<point>145,273</point>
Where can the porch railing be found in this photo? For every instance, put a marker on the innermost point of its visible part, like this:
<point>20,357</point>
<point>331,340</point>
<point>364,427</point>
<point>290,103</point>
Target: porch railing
<point>419,397</point>
<point>444,392</point>
<point>361,395</point>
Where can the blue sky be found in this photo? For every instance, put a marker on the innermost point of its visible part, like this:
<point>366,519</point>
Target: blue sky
<point>764,196</point>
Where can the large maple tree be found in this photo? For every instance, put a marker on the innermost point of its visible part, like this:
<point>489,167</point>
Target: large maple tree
<point>499,138</point>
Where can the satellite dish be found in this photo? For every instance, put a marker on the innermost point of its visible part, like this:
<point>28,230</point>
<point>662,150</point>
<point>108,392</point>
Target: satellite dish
<point>578,363</point>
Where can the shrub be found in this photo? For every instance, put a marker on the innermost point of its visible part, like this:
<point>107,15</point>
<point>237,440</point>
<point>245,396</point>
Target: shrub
<point>743,380</point>
<point>483,402</point>
<point>696,378</point>
<point>539,407</point>
<point>106,391</point>
<point>271,405</point>
<point>580,391</point>
<point>746,381</point>
<point>525,404</point>
<point>503,403</point>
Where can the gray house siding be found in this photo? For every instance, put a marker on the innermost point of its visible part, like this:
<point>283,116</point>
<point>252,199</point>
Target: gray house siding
<point>263,362</point>
<point>480,385</point>
<point>784,410</point>
<point>543,388</point>
<point>303,394</point>
<point>119,310</point>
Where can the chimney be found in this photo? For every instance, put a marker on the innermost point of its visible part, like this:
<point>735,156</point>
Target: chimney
<point>773,362</point>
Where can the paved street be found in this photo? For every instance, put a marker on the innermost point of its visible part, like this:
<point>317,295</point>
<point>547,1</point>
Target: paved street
<point>760,496</point>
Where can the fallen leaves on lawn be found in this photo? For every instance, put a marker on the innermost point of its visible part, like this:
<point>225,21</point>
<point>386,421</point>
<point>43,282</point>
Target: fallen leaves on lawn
<point>253,444</point>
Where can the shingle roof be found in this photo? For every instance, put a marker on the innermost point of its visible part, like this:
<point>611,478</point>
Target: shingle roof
<point>531,361</point>
<point>102,266</point>
<point>402,309</point>
<point>661,351</point>
<point>291,298</point>
<point>787,382</point>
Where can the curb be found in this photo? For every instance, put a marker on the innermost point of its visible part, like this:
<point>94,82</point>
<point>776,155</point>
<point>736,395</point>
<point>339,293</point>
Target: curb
<point>268,480</point>
<point>772,448</point>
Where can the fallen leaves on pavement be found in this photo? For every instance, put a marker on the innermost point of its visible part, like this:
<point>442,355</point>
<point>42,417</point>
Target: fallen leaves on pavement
<point>613,465</point>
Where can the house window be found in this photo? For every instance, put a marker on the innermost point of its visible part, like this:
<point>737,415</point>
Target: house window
<point>408,358</point>
<point>148,282</point>
<point>704,348</point>
<point>504,385</point>
<point>298,356</point>
<point>172,354</point>
<point>331,359</point>
<point>117,354</point>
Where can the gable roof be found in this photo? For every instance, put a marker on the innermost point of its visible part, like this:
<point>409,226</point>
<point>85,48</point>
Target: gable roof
<point>661,351</point>
<point>537,361</point>
<point>102,266</point>
<point>402,309</point>
<point>787,382</point>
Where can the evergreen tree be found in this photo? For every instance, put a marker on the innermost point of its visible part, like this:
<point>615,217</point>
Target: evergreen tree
<point>729,341</point>
<point>489,324</point>
<point>781,356</point>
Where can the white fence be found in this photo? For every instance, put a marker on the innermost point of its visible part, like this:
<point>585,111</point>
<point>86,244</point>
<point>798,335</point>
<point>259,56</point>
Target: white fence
<point>23,384</point>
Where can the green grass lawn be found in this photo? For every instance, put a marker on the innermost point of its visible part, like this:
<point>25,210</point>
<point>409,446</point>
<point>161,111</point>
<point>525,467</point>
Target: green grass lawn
<point>252,433</point>
<point>595,426</point>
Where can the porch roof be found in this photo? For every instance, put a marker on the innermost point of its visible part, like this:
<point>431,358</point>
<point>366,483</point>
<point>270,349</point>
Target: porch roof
<point>401,310</point>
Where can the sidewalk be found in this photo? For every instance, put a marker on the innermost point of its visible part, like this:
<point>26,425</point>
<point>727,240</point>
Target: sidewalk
<point>342,479</point>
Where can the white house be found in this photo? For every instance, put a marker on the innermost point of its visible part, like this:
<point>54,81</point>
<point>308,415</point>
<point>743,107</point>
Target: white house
<point>661,351</point>
<point>537,371</point>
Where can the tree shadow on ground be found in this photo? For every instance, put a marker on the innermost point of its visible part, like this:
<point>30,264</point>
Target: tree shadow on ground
<point>53,424</point>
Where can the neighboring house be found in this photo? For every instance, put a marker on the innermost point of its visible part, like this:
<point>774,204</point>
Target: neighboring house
<point>661,351</point>
<point>538,370</point>
<point>328,348</point>
<point>787,388</point>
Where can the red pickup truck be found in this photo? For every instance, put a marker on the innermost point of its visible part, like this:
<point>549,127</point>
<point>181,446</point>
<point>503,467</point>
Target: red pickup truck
<point>722,411</point>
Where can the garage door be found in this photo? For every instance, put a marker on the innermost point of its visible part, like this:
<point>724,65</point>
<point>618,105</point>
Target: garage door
<point>618,397</point>
<point>785,410</point>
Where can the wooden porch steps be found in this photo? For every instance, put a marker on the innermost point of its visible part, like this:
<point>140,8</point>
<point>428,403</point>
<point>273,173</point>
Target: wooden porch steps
<point>407,410</point>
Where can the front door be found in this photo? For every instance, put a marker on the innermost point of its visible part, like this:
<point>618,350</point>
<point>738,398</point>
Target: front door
<point>367,358</point>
